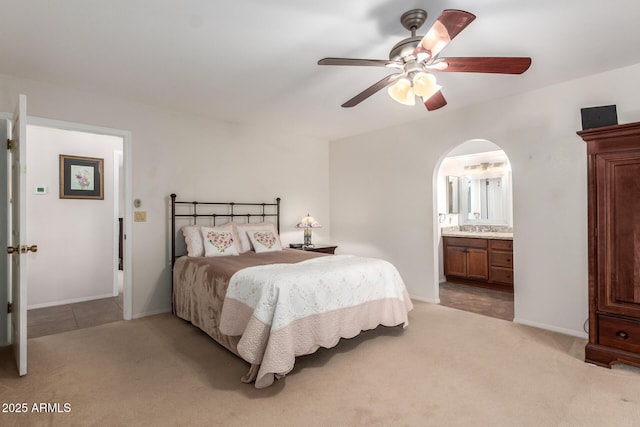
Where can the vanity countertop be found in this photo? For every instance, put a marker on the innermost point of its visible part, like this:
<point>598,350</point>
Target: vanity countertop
<point>479,234</point>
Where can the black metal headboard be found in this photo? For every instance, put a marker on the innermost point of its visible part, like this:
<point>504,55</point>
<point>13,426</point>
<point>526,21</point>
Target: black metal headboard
<point>223,210</point>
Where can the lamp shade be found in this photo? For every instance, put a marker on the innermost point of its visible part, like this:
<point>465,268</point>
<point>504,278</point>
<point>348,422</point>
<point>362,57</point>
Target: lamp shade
<point>402,92</point>
<point>308,222</point>
<point>424,85</point>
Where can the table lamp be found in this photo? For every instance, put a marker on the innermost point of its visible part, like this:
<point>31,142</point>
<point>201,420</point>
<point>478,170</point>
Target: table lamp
<point>308,222</point>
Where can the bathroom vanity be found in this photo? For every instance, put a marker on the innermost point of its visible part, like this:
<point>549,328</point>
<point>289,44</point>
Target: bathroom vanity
<point>482,259</point>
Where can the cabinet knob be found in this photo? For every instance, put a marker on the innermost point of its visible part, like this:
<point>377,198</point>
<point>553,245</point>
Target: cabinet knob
<point>622,335</point>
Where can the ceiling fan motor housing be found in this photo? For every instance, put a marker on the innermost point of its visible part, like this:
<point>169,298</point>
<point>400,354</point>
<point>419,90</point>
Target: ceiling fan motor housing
<point>404,48</point>
<point>411,20</point>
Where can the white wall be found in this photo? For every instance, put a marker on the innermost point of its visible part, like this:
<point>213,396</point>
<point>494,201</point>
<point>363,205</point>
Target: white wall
<point>197,158</point>
<point>383,196</point>
<point>75,238</point>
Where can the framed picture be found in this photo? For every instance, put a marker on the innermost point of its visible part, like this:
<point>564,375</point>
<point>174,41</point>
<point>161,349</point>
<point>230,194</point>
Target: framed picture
<point>81,177</point>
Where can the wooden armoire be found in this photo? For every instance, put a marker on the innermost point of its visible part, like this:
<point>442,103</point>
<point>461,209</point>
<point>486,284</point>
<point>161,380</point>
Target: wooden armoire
<point>613,156</point>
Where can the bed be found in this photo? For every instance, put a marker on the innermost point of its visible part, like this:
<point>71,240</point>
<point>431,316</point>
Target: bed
<point>268,304</point>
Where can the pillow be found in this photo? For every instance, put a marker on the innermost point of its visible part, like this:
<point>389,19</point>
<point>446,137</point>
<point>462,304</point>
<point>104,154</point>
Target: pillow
<point>245,243</point>
<point>193,239</point>
<point>264,241</point>
<point>220,241</point>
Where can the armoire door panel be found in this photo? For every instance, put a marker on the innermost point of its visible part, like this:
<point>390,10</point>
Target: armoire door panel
<point>619,238</point>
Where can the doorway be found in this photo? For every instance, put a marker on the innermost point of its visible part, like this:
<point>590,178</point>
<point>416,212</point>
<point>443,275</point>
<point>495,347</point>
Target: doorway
<point>466,209</point>
<point>83,292</point>
<point>88,287</point>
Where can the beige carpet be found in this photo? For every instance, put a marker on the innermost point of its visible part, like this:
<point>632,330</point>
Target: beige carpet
<point>448,368</point>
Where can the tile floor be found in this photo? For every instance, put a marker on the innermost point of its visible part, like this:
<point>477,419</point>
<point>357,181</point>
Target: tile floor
<point>477,300</point>
<point>67,317</point>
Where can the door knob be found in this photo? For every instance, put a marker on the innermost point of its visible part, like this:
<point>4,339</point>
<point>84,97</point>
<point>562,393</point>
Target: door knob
<point>11,249</point>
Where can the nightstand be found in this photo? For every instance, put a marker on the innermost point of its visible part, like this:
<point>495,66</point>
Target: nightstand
<point>327,249</point>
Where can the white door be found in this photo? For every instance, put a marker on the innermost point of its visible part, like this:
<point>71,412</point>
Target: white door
<point>17,248</point>
<point>4,232</point>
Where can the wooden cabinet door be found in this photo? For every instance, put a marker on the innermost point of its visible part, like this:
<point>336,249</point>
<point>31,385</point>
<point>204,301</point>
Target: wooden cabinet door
<point>477,264</point>
<point>618,232</point>
<point>456,261</point>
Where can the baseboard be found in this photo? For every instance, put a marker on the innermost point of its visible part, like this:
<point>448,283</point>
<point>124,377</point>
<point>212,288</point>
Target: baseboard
<point>151,313</point>
<point>571,332</point>
<point>69,301</point>
<point>424,299</point>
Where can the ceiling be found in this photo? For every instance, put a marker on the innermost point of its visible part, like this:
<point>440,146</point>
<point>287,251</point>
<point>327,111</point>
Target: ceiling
<point>253,61</point>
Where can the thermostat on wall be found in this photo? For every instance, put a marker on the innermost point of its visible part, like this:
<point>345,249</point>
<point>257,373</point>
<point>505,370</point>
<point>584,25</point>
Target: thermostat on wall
<point>40,190</point>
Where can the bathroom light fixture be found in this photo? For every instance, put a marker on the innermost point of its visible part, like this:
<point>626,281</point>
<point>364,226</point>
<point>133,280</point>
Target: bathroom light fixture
<point>308,222</point>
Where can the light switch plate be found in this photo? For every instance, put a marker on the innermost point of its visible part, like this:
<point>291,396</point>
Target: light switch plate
<point>140,216</point>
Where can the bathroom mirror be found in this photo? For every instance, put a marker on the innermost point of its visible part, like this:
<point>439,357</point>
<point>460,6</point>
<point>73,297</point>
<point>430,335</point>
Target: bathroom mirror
<point>453,191</point>
<point>485,200</point>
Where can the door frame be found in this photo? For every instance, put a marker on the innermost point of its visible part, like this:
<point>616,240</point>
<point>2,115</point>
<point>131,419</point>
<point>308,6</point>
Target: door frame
<point>127,302</point>
<point>118,157</point>
<point>5,325</point>
<point>438,246</point>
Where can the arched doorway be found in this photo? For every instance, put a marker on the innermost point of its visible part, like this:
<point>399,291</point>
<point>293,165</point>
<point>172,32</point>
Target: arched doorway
<point>475,229</point>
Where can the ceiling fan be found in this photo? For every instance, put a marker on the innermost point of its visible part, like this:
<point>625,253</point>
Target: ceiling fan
<point>416,58</point>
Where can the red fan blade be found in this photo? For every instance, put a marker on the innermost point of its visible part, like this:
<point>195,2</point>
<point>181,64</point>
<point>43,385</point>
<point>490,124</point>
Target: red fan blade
<point>435,102</point>
<point>515,65</point>
<point>448,25</point>
<point>360,62</point>
<point>387,81</point>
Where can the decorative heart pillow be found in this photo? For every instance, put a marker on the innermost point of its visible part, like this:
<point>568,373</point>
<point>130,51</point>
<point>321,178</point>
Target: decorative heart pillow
<point>245,229</point>
<point>264,241</point>
<point>219,241</point>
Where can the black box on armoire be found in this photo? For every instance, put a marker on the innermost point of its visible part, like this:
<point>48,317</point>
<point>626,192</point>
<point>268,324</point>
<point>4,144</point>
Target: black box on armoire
<point>597,117</point>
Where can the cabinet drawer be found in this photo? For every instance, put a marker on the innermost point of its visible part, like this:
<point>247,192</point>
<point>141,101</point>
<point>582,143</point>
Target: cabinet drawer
<point>501,245</point>
<point>466,242</point>
<point>502,259</point>
<point>502,275</point>
<point>619,333</point>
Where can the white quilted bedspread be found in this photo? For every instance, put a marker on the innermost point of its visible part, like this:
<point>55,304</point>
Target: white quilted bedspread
<point>281,311</point>
<point>282,293</point>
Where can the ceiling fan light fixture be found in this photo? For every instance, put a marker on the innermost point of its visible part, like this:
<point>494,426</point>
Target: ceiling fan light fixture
<point>422,56</point>
<point>424,85</point>
<point>440,65</point>
<point>402,92</point>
